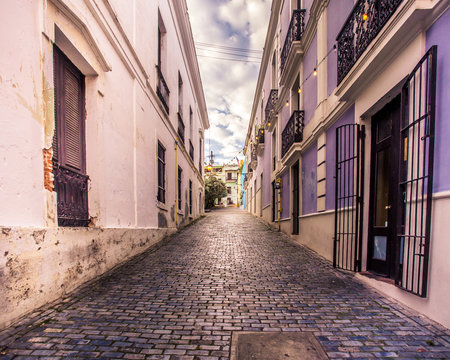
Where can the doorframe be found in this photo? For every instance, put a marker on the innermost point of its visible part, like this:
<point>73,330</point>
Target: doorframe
<point>394,107</point>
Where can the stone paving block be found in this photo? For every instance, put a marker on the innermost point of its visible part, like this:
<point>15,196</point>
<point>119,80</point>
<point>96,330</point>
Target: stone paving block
<point>229,272</point>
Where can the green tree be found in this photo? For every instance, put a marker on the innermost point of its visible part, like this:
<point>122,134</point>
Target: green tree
<point>214,189</point>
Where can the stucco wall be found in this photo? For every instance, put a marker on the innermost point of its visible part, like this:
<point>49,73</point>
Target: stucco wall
<point>21,135</point>
<point>286,195</point>
<point>309,87</point>
<point>309,180</point>
<point>438,35</point>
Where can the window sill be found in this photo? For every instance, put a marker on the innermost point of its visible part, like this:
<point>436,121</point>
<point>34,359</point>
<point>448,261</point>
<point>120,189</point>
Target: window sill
<point>161,206</point>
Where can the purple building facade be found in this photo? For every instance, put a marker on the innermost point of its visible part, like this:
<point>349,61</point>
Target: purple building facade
<point>355,121</point>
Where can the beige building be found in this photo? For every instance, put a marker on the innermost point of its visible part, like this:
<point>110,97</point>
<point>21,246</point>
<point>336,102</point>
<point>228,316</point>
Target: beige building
<point>103,118</point>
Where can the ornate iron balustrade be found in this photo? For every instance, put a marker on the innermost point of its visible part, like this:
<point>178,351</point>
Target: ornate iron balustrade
<point>162,90</point>
<point>271,102</point>
<point>180,127</point>
<point>260,136</point>
<point>362,26</point>
<point>191,150</point>
<point>72,190</point>
<point>295,32</point>
<point>293,131</point>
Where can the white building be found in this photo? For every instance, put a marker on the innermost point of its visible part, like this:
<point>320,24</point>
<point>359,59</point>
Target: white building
<point>103,116</point>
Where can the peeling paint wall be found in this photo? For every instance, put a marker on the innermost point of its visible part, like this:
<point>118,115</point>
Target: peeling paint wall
<point>38,266</point>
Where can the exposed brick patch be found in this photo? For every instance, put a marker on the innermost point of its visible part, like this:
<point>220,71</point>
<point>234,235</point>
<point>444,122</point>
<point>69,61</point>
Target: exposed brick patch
<point>48,169</point>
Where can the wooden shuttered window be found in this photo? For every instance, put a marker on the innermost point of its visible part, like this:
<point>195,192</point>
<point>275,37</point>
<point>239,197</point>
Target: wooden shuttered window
<point>69,139</point>
<point>69,143</point>
<point>161,173</point>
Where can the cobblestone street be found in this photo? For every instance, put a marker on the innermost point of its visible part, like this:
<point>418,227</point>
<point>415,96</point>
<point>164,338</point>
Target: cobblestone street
<point>227,272</point>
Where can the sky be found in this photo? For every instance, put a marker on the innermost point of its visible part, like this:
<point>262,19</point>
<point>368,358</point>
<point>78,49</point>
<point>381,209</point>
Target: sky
<point>219,28</point>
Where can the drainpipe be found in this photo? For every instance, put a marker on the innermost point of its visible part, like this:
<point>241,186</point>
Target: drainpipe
<point>280,182</point>
<point>176,183</point>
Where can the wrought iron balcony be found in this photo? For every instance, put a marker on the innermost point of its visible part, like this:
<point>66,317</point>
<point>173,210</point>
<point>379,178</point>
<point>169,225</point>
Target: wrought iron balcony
<point>191,150</point>
<point>293,131</point>
<point>295,32</point>
<point>180,127</point>
<point>362,26</point>
<point>270,106</point>
<point>162,90</point>
<point>260,136</point>
<point>72,190</point>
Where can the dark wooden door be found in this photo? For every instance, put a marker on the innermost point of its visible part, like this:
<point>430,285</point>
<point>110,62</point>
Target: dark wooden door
<point>384,183</point>
<point>295,198</point>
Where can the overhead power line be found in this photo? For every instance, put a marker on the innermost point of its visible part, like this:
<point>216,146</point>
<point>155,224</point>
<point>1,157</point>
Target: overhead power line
<point>222,58</point>
<point>229,48</point>
<point>232,54</point>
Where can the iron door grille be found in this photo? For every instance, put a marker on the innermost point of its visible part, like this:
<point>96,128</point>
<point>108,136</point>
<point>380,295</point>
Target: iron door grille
<point>416,175</point>
<point>348,197</point>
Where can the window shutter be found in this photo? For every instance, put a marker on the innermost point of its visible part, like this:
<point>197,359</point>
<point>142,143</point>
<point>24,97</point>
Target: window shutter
<point>73,129</point>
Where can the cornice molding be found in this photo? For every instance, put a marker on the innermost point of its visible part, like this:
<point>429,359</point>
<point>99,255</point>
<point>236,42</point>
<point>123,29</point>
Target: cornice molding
<point>80,23</point>
<point>188,49</point>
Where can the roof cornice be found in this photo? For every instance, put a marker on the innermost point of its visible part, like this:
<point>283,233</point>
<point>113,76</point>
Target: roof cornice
<point>268,45</point>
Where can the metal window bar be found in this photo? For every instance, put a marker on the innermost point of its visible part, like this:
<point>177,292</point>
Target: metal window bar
<point>72,190</point>
<point>162,90</point>
<point>191,150</point>
<point>416,175</point>
<point>347,250</point>
<point>181,127</point>
<point>161,173</point>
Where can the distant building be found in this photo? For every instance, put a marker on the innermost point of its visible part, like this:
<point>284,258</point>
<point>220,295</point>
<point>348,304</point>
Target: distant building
<point>228,173</point>
<point>103,119</point>
<point>352,101</point>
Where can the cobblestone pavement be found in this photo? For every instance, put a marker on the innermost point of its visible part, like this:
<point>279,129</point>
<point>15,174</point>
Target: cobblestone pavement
<point>228,272</point>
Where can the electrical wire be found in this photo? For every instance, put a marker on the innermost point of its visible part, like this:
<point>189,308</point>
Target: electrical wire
<point>228,48</point>
<point>221,58</point>
<point>232,54</point>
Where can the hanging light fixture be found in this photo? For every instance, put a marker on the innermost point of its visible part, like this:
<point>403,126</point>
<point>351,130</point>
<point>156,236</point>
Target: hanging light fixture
<point>315,72</point>
<point>287,102</point>
<point>365,16</point>
<point>299,90</point>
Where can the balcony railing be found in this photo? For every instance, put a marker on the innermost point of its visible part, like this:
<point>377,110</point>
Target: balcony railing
<point>180,127</point>
<point>260,136</point>
<point>72,190</point>
<point>162,90</point>
<point>191,150</point>
<point>293,131</point>
<point>270,106</point>
<point>295,32</point>
<point>362,26</point>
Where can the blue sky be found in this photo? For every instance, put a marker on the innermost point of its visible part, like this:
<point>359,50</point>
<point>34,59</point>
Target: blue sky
<point>229,85</point>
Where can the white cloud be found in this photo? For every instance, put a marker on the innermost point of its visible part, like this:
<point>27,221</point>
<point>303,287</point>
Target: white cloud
<point>229,86</point>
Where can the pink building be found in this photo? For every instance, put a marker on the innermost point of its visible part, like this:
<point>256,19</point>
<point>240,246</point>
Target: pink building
<point>103,118</point>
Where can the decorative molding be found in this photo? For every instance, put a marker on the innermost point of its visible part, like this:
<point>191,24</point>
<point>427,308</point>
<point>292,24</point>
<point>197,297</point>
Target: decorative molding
<point>82,26</point>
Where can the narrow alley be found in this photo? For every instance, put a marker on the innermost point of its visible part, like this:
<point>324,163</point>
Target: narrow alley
<point>226,273</point>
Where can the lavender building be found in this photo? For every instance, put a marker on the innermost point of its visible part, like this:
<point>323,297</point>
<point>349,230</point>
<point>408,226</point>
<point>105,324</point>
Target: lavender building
<point>346,141</point>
